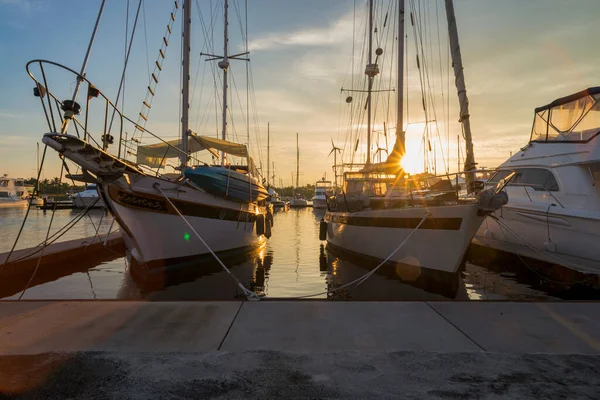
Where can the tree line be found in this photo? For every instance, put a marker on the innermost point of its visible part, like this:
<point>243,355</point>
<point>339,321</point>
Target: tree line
<point>53,186</point>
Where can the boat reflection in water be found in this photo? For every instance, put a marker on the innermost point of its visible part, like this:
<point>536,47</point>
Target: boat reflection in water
<point>293,263</point>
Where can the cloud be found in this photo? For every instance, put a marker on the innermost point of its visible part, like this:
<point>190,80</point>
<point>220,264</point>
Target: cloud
<point>25,5</point>
<point>335,33</point>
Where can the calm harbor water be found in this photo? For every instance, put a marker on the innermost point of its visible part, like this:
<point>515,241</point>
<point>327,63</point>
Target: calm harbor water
<point>293,263</point>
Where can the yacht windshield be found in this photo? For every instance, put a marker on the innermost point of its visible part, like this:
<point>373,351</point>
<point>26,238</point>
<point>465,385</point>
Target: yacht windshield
<point>575,118</point>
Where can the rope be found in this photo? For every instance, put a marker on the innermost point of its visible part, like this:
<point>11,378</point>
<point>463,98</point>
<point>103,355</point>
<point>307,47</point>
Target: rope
<point>542,252</point>
<point>363,278</point>
<point>250,295</point>
<point>36,191</point>
<point>62,169</point>
<point>60,232</point>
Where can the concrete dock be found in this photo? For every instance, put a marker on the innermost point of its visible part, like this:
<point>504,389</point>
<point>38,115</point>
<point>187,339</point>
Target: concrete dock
<point>299,349</point>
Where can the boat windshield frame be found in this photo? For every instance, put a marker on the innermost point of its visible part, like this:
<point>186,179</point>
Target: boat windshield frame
<point>570,119</point>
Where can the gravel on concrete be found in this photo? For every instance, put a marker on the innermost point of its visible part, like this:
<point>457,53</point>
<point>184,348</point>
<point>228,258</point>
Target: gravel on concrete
<point>280,374</point>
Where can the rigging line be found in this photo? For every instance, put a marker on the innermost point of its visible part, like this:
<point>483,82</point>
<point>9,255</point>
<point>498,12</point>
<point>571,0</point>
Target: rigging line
<point>128,52</point>
<point>146,40</point>
<point>125,52</point>
<point>437,19</point>
<point>46,241</point>
<point>36,190</point>
<point>247,83</point>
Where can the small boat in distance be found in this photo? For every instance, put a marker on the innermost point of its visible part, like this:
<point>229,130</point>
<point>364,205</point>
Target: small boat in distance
<point>86,197</point>
<point>323,189</point>
<point>277,202</point>
<point>298,200</point>
<point>12,192</point>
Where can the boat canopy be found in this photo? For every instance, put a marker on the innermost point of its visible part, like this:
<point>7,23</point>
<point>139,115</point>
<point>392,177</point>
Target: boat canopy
<point>574,118</point>
<point>155,155</point>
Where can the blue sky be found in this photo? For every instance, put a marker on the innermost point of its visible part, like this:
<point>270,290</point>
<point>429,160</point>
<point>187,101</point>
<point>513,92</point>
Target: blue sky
<point>517,55</point>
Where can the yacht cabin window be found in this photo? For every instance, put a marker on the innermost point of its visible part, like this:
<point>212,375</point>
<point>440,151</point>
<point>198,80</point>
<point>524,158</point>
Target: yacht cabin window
<point>539,179</point>
<point>4,183</point>
<point>574,118</point>
<point>4,194</point>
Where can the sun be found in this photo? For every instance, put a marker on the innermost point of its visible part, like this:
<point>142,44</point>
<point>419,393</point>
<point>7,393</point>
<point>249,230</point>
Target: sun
<point>411,164</point>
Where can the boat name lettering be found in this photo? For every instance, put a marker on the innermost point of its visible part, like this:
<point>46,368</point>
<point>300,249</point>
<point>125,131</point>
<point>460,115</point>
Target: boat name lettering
<point>142,202</point>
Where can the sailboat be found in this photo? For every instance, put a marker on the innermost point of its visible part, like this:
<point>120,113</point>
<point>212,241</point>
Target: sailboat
<point>383,216</point>
<point>165,218</point>
<point>298,200</point>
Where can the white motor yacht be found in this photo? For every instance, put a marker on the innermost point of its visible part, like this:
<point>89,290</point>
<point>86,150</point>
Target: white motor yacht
<point>12,192</point>
<point>87,197</point>
<point>554,197</point>
<point>323,188</point>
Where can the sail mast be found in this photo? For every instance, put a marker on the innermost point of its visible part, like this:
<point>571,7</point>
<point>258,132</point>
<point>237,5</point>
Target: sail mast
<point>370,75</point>
<point>185,91</point>
<point>224,65</point>
<point>462,93</point>
<point>268,153</point>
<point>297,161</point>
<point>400,134</point>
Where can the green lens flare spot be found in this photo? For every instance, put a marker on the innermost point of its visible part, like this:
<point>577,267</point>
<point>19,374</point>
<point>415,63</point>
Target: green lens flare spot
<point>186,236</point>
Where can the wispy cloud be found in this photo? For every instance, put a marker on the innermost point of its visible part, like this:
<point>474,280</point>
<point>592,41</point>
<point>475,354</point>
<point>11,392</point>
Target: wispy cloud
<point>9,114</point>
<point>336,32</point>
<point>24,5</point>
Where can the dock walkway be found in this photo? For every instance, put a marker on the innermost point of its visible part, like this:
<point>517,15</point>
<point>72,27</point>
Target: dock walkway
<point>302,349</point>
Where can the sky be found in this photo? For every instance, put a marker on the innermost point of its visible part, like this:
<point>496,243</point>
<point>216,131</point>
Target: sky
<point>517,55</point>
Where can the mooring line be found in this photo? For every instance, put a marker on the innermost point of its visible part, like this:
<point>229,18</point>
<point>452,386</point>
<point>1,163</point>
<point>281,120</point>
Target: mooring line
<point>250,295</point>
<point>363,278</point>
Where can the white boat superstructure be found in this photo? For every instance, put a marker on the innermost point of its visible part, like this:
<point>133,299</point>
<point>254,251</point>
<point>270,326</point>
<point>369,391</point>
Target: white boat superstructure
<point>323,189</point>
<point>555,194</point>
<point>383,215</point>
<point>89,197</point>
<point>12,192</point>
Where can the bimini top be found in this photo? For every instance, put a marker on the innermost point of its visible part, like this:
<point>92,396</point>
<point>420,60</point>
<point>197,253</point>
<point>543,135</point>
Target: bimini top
<point>574,118</point>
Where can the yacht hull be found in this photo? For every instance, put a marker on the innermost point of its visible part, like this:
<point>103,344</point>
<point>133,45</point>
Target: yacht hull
<point>13,203</point>
<point>85,201</point>
<point>556,231</point>
<point>156,235</point>
<point>319,203</point>
<point>439,244</point>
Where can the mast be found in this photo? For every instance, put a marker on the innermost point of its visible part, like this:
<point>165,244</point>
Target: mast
<point>297,161</point>
<point>37,156</point>
<point>370,74</point>
<point>400,134</point>
<point>462,94</point>
<point>268,153</point>
<point>185,91</point>
<point>224,65</point>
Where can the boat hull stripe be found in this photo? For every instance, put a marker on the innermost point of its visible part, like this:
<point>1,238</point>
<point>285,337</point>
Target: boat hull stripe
<point>147,202</point>
<point>449,224</point>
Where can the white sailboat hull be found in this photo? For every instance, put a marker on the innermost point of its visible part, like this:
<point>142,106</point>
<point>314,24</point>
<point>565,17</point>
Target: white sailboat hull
<point>439,244</point>
<point>153,231</point>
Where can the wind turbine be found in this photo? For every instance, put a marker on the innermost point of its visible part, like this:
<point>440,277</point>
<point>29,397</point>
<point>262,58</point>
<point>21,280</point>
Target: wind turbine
<point>334,150</point>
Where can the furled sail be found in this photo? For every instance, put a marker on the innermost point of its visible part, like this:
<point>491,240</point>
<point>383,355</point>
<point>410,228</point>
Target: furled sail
<point>155,155</point>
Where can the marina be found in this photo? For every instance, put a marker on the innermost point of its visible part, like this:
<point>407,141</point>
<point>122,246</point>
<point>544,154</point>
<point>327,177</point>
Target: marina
<point>155,250</point>
<point>290,265</point>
